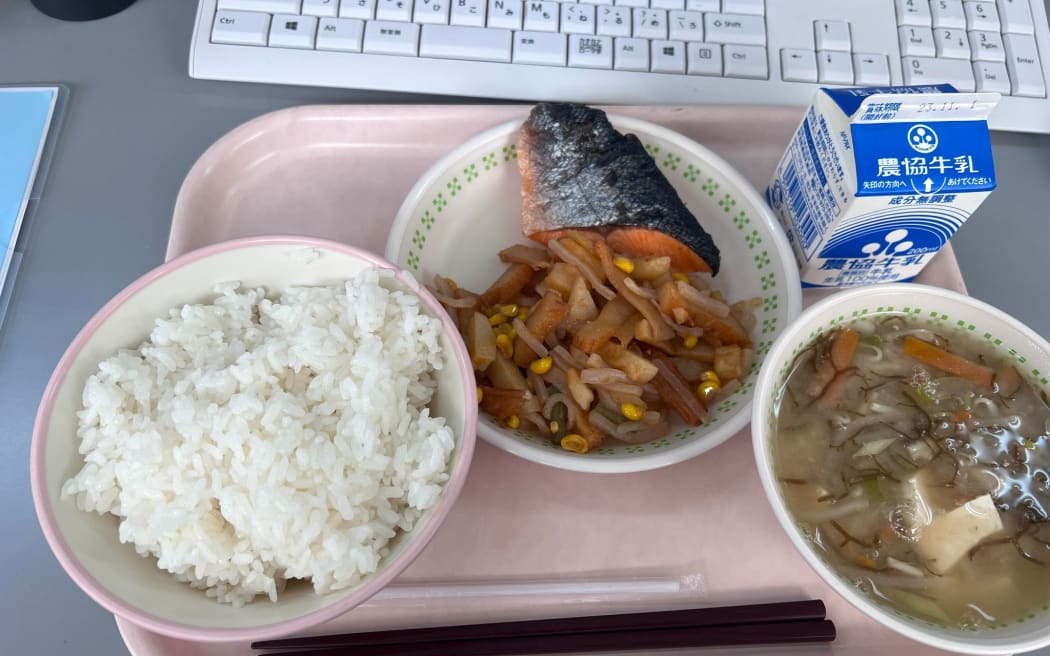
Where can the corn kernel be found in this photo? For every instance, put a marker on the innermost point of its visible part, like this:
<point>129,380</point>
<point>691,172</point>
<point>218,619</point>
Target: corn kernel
<point>574,442</point>
<point>624,264</point>
<point>632,412</point>
<point>497,318</point>
<point>451,283</point>
<point>505,329</point>
<point>542,365</point>
<point>690,341</point>
<point>481,394</point>
<point>555,426</point>
<point>510,310</point>
<point>707,388</point>
<point>505,345</point>
<point>711,376</point>
<point>523,313</point>
<point>513,422</point>
<point>678,275</point>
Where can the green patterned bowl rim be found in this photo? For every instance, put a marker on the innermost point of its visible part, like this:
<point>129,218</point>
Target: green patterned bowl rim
<point>939,306</point>
<point>761,244</point>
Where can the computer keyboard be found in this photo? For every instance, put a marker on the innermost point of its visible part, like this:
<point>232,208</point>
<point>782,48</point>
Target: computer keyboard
<point>635,51</point>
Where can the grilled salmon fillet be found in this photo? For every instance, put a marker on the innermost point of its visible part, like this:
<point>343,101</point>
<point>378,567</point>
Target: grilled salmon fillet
<point>578,172</point>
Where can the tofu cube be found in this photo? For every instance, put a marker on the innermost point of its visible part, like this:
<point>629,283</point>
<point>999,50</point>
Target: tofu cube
<point>950,536</point>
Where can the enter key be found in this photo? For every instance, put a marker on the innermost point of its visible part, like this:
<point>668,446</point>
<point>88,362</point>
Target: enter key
<point>1022,62</point>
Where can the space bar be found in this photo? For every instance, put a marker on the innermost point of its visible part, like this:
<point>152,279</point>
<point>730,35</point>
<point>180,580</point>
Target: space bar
<point>460,42</point>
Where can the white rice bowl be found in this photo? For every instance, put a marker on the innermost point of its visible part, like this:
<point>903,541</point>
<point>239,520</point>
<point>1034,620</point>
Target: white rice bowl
<point>251,441</point>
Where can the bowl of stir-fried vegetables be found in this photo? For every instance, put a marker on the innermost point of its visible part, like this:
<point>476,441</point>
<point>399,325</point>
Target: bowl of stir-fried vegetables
<point>587,358</point>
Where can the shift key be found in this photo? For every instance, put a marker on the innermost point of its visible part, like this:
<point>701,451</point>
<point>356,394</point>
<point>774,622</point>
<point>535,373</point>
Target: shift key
<point>735,28</point>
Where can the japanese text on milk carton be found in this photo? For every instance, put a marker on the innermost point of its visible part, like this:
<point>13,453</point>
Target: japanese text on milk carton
<point>876,180</point>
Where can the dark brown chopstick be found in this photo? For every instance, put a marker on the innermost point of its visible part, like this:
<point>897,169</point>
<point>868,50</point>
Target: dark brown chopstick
<point>724,616</point>
<point>804,631</point>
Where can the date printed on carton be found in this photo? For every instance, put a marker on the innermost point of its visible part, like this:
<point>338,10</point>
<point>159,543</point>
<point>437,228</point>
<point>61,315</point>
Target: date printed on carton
<point>876,180</point>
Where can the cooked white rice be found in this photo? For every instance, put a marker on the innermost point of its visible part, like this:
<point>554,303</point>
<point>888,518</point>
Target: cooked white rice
<point>250,441</point>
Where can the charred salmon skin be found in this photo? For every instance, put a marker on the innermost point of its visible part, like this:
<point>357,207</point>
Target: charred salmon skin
<point>578,172</point>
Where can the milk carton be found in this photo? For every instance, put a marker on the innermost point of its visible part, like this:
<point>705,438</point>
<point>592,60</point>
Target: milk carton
<point>876,180</point>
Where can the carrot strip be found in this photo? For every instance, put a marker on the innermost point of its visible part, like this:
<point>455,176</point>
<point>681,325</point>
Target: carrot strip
<point>948,362</point>
<point>834,391</point>
<point>675,390</point>
<point>508,285</point>
<point>843,347</point>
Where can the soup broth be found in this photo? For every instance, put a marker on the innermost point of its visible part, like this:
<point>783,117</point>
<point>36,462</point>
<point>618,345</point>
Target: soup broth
<point>918,463</point>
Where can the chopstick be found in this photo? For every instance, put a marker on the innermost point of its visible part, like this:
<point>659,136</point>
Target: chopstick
<point>805,631</point>
<point>796,621</point>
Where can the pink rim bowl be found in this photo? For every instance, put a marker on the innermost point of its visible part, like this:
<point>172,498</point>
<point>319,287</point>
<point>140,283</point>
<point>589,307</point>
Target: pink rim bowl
<point>86,544</point>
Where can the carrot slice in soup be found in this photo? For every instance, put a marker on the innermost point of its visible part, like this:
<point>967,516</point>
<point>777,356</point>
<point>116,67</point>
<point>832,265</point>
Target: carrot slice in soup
<point>948,362</point>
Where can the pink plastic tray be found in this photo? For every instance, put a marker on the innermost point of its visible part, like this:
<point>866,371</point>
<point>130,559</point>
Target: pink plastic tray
<point>341,172</point>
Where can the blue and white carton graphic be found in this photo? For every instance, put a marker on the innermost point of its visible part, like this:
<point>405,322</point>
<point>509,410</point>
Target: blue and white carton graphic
<point>876,180</point>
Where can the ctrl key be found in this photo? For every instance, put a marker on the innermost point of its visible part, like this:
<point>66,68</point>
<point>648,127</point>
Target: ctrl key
<point>246,28</point>
<point>745,61</point>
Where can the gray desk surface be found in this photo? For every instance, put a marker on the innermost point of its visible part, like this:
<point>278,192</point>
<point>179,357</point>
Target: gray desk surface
<point>134,126</point>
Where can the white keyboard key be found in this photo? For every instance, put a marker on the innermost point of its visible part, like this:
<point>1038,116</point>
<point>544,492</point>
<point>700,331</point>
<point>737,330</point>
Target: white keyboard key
<point>913,12</point>
<point>987,46</point>
<point>269,6</point>
<point>544,48</point>
<point>340,34</point>
<point>668,57</point>
<point>1022,60</point>
<point>328,8</point>
<point>685,25</point>
<point>650,23</point>
<point>631,54</point>
<point>757,7</point>
<point>916,41</point>
<point>586,51</point>
<point>363,9</point>
<point>459,42</point>
<point>668,4</point>
<point>394,10</point>
<point>951,44</point>
<point>948,14</point>
<point>981,16</point>
<point>832,35</point>
<point>927,70</point>
<point>745,61</point>
<point>992,76</point>
<point>702,5</point>
<point>541,16</point>
<point>703,59</point>
<point>293,31</point>
<point>431,11</point>
<point>798,65</point>
<point>240,27</point>
<point>1015,17</point>
<point>391,38</point>
<point>834,67</point>
<point>614,21</point>
<point>577,18</point>
<point>871,69</point>
<point>597,2</point>
<point>467,12</point>
<point>631,3</point>
<point>735,28</point>
<point>505,14</point>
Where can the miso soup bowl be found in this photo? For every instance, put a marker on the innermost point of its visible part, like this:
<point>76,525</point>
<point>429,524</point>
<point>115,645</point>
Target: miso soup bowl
<point>1000,333</point>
